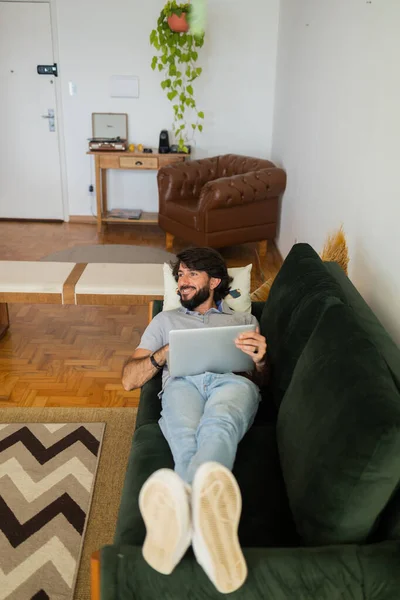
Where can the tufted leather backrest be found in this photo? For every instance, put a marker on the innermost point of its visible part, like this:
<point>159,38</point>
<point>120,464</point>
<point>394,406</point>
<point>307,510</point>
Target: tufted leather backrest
<point>183,182</point>
<point>247,188</point>
<point>234,164</point>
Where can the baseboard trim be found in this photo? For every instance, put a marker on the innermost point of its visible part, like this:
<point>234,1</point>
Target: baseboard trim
<point>12,220</point>
<point>86,219</point>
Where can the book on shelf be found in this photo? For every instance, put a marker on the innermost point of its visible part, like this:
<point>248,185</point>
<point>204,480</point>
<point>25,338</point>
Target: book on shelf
<point>125,213</point>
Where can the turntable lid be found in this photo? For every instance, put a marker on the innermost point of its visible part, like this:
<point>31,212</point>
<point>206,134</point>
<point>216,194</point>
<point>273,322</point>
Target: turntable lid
<point>110,125</point>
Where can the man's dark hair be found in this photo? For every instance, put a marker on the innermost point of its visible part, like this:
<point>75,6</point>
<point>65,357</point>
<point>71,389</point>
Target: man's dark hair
<point>208,260</point>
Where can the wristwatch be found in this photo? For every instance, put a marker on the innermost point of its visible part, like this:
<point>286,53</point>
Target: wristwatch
<point>154,362</point>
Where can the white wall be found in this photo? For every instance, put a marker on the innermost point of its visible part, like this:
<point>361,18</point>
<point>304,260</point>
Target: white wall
<point>100,38</point>
<point>337,133</point>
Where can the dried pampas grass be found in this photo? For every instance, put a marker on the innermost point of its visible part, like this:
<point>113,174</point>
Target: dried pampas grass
<point>261,294</point>
<point>336,250</point>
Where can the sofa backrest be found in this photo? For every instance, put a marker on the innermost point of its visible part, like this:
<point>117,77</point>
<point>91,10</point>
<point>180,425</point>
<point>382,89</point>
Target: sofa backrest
<point>336,376</point>
<point>388,524</point>
<point>339,432</point>
<point>370,323</point>
<point>299,296</point>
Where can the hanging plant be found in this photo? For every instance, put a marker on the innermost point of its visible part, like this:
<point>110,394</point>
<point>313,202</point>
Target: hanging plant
<point>177,57</point>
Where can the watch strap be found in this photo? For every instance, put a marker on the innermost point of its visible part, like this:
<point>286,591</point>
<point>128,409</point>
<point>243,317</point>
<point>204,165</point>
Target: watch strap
<point>155,363</point>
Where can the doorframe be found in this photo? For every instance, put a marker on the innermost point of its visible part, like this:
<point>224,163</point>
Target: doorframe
<point>58,99</point>
<point>59,111</point>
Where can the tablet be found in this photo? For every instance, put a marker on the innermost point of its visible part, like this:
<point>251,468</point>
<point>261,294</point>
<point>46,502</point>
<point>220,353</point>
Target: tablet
<point>212,349</point>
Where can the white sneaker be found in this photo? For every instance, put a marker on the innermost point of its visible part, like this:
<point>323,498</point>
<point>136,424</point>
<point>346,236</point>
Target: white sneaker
<point>216,508</point>
<point>164,505</point>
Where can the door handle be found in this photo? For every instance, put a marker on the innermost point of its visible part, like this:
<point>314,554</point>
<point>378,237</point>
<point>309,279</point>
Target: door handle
<point>51,119</point>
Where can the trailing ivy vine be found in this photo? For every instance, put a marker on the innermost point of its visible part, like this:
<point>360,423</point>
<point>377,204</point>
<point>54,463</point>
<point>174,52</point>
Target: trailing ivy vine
<point>176,57</point>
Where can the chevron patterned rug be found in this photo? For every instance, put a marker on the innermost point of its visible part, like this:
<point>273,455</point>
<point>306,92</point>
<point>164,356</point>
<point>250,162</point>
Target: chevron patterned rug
<point>47,476</point>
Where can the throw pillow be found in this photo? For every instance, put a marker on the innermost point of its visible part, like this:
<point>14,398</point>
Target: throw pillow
<point>238,298</point>
<point>339,432</point>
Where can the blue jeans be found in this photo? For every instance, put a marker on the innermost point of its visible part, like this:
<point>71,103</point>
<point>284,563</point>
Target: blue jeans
<point>204,417</point>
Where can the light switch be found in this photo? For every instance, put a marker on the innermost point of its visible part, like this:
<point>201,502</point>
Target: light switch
<point>72,88</point>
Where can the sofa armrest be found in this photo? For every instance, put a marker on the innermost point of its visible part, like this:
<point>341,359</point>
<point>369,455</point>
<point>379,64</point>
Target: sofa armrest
<point>254,186</point>
<point>185,180</point>
<point>357,572</point>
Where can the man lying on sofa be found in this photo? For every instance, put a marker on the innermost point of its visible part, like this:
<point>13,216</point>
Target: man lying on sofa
<point>203,418</point>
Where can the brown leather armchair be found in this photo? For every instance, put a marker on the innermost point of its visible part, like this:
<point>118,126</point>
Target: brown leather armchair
<point>220,201</point>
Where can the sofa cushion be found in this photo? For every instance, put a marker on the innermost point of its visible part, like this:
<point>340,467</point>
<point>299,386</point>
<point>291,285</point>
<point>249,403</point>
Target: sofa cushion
<point>300,294</point>
<point>149,452</point>
<point>149,410</point>
<point>266,518</point>
<point>150,405</point>
<point>121,279</point>
<point>267,411</point>
<point>29,277</point>
<point>339,432</point>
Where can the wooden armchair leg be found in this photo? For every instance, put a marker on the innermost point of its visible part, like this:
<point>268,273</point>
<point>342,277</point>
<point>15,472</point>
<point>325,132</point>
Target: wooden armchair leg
<point>4,319</point>
<point>169,241</point>
<point>95,576</point>
<point>150,313</point>
<point>262,248</point>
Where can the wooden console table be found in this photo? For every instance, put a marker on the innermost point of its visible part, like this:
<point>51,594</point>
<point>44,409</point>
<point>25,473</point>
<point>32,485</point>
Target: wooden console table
<point>132,161</point>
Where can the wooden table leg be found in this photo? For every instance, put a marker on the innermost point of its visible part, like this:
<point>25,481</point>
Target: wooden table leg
<point>4,319</point>
<point>262,248</point>
<point>169,241</point>
<point>95,576</point>
<point>98,193</point>
<point>104,190</point>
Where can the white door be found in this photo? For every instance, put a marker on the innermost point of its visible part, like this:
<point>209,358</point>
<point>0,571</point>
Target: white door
<point>30,178</point>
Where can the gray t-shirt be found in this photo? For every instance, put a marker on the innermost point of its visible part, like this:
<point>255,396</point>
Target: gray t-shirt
<point>156,334</point>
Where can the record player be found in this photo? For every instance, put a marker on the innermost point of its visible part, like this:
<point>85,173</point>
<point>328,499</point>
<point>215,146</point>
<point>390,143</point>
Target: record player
<point>108,144</point>
<point>109,132</point>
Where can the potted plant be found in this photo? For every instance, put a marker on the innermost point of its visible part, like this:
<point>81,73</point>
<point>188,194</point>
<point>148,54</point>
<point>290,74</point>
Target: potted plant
<point>177,55</point>
<point>177,20</point>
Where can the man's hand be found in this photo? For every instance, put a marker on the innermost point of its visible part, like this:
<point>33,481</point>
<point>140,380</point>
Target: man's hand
<point>254,344</point>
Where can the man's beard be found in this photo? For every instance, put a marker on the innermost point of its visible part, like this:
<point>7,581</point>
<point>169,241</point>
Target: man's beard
<point>202,295</point>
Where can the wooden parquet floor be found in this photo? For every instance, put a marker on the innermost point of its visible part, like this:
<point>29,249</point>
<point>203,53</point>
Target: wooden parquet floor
<point>72,355</point>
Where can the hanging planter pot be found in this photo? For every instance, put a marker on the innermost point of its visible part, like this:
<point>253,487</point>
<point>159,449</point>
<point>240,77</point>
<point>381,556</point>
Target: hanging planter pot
<point>178,24</point>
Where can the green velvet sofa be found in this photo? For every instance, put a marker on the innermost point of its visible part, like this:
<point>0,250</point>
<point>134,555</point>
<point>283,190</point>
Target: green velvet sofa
<point>319,470</point>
